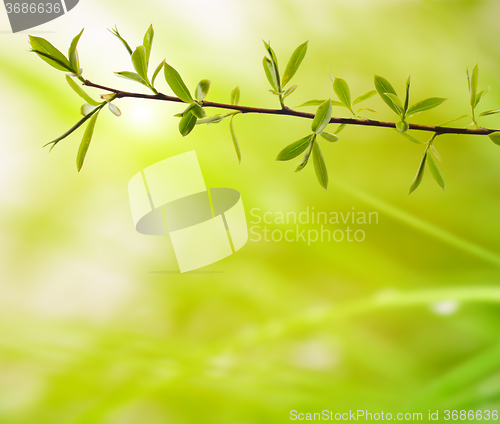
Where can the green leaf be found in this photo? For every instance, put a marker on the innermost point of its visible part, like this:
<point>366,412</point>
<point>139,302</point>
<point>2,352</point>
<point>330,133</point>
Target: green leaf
<point>420,174</point>
<point>73,54</point>
<point>322,117</point>
<point>342,90</point>
<point>76,126</point>
<point>312,103</point>
<point>426,104</point>
<point>383,86</point>
<point>114,109</point>
<point>132,76</point>
<point>410,137</point>
<point>235,95</point>
<point>175,82</point>
<point>202,89</point>
<point>289,91</point>
<point>395,100</point>
<point>402,126</point>
<point>495,137</point>
<point>210,120</point>
<point>148,43</point>
<point>187,123</point>
<point>84,145</point>
<point>454,120</point>
<point>78,90</point>
<point>305,159</point>
<point>274,63</point>
<point>339,128</point>
<point>364,97</point>
<point>319,102</point>
<point>115,32</point>
<point>157,71</point>
<point>468,77</point>
<point>320,166</point>
<point>50,54</point>
<point>139,62</point>
<point>361,109</point>
<point>473,85</point>
<point>270,51</point>
<point>213,119</point>
<point>489,112</point>
<point>188,109</point>
<point>407,98</point>
<point>293,150</point>
<point>198,111</point>
<point>435,152</point>
<point>435,171</point>
<point>235,140</point>
<point>480,95</point>
<point>329,136</point>
<point>294,63</point>
<point>269,70</point>
<point>52,60</point>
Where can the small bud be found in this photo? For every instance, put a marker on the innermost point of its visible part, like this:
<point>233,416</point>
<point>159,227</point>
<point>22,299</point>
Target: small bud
<point>108,97</point>
<point>402,126</point>
<point>114,110</point>
<point>86,109</point>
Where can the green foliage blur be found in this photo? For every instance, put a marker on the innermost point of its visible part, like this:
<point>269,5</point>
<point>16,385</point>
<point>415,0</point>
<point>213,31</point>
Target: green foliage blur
<point>97,326</point>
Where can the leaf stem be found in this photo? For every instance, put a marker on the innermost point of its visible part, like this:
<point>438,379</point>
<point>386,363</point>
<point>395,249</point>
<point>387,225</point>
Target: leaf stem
<point>281,102</point>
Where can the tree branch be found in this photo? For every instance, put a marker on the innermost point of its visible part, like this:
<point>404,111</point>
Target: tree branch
<point>290,112</point>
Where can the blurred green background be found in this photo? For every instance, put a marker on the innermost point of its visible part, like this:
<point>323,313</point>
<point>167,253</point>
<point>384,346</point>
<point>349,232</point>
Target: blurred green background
<point>97,326</point>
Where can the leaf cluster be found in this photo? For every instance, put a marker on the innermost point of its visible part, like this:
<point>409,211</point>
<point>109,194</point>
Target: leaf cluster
<point>48,53</point>
<point>310,145</point>
<point>91,109</point>
<point>271,70</point>
<point>403,110</point>
<point>427,158</point>
<point>474,98</point>
<point>343,92</point>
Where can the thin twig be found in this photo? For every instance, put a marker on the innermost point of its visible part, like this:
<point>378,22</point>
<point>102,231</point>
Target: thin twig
<point>290,112</point>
